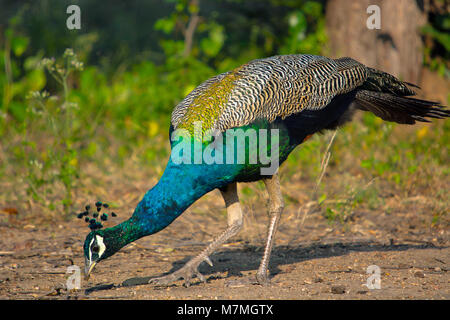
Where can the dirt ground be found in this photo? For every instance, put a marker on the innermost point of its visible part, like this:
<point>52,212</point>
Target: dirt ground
<point>313,260</point>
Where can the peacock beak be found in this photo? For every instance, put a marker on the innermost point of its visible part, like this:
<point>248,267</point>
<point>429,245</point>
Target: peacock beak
<point>88,267</point>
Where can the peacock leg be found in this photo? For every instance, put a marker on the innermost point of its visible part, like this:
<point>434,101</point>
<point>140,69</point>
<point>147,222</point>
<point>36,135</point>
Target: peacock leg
<point>235,221</point>
<point>276,205</point>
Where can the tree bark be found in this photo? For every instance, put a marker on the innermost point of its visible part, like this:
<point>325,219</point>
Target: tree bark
<point>395,48</point>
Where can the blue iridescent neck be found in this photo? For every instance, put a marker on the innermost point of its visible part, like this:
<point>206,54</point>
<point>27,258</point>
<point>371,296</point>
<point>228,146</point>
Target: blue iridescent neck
<point>179,187</point>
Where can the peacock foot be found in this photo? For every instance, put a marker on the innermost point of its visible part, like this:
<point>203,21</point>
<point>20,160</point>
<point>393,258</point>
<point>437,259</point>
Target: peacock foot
<point>262,278</point>
<point>187,273</point>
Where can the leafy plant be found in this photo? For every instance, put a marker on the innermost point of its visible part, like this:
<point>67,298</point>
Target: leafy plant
<point>58,160</point>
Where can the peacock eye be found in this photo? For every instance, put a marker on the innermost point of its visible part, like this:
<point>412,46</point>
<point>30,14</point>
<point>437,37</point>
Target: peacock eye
<point>95,249</point>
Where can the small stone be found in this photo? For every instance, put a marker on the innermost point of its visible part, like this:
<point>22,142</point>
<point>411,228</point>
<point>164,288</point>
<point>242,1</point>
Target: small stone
<point>338,289</point>
<point>362,292</point>
<point>318,280</point>
<point>419,274</point>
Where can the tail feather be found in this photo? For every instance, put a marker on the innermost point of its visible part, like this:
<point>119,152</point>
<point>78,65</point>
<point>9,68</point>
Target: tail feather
<point>389,98</point>
<point>400,109</point>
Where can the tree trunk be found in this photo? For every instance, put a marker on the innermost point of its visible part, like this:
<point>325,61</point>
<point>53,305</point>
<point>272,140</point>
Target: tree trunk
<point>395,48</point>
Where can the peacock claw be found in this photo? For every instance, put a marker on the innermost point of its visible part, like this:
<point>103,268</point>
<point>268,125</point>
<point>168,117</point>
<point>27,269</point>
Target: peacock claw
<point>187,273</point>
<point>208,261</point>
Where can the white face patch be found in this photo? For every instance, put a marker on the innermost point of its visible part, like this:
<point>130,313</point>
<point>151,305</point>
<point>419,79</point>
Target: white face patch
<point>101,245</point>
<point>90,253</point>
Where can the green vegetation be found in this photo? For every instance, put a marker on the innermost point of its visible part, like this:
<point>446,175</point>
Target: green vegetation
<point>108,98</point>
<point>437,35</point>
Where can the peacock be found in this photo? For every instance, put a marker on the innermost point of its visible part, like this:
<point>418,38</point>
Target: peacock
<point>270,105</point>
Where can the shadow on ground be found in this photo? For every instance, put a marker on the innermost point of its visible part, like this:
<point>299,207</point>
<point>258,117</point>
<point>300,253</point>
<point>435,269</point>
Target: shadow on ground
<point>234,261</point>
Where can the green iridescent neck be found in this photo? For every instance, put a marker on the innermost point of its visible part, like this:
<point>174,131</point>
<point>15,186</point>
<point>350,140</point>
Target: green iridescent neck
<point>120,235</point>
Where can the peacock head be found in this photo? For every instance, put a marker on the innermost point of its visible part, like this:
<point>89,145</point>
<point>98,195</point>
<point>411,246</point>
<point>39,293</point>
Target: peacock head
<point>100,243</point>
